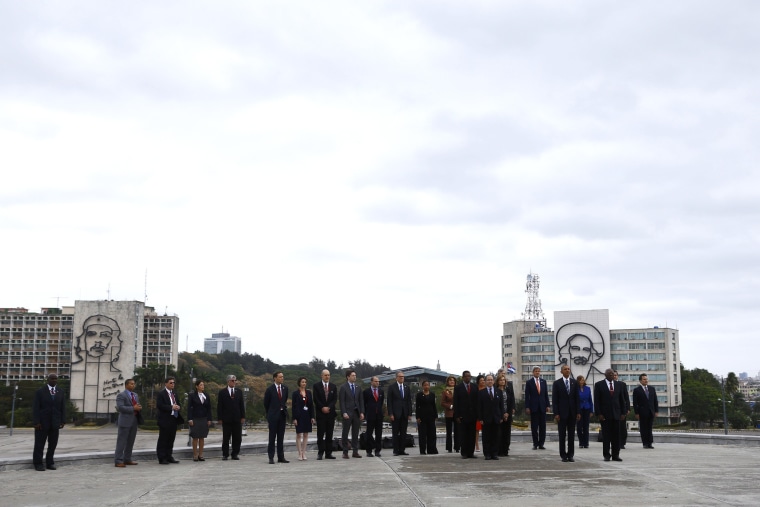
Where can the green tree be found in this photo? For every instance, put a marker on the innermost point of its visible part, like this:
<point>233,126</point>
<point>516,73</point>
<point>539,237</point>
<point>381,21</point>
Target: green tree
<point>732,385</point>
<point>701,397</point>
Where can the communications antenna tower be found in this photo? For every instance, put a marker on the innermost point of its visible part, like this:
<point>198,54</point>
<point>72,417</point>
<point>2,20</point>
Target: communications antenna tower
<point>533,311</point>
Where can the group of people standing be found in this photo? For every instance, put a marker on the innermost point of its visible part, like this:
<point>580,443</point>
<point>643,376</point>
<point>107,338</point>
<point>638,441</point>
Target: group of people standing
<point>572,405</point>
<point>487,406</point>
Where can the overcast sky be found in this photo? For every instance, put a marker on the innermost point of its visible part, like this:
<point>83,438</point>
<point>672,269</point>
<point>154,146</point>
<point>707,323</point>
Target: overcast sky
<point>374,180</point>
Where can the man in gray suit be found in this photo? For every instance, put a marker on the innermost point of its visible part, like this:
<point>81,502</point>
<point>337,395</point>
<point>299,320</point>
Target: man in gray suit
<point>130,415</point>
<point>352,409</point>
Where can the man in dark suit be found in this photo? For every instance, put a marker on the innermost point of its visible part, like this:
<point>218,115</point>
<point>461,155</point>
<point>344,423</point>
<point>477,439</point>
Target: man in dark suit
<point>325,396</point>
<point>536,406</point>
<point>609,408</point>
<point>130,415</point>
<point>48,417</point>
<point>276,406</point>
<point>352,411</point>
<point>566,405</point>
<point>400,410</point>
<point>623,423</point>
<point>230,411</point>
<point>491,413</point>
<point>168,419</point>
<point>646,408</point>
<point>466,414</point>
<point>374,398</point>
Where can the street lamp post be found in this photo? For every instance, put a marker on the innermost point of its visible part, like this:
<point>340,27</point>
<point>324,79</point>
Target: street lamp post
<point>723,394</point>
<point>13,408</point>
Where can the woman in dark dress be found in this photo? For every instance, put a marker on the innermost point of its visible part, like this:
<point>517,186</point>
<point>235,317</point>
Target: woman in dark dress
<point>303,416</point>
<point>427,413</point>
<point>199,418</point>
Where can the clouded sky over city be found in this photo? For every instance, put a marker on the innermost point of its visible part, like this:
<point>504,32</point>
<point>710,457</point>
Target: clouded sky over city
<point>374,180</point>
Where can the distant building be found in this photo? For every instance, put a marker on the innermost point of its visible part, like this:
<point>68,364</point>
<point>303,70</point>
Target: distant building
<point>583,339</point>
<point>219,342</point>
<point>95,344</point>
<point>413,375</point>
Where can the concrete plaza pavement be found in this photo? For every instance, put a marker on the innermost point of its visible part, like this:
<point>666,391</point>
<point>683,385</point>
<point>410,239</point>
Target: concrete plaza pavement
<point>673,473</point>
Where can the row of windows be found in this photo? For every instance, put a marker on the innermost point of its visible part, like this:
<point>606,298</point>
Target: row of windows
<point>639,357</point>
<point>640,335</point>
<point>637,346</point>
<point>537,348</point>
<point>537,338</point>
<point>33,365</point>
<point>538,359</point>
<point>639,367</point>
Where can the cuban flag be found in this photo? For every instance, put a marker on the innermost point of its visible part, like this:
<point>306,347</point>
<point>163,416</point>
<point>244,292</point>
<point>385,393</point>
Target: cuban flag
<point>510,368</point>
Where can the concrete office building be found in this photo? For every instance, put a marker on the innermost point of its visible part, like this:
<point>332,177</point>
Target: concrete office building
<point>95,344</point>
<point>583,339</point>
<point>219,342</point>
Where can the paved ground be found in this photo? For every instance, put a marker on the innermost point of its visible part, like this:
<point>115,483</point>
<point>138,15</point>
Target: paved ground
<point>671,474</point>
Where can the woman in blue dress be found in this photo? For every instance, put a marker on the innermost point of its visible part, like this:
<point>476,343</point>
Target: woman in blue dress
<point>303,416</point>
<point>587,408</point>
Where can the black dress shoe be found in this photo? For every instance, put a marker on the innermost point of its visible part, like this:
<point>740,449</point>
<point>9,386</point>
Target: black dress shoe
<point>404,453</point>
<point>571,460</point>
<point>377,453</point>
<point>535,447</point>
<point>319,457</point>
<point>622,447</point>
<point>564,460</point>
<point>396,454</point>
<point>283,460</point>
<point>271,462</point>
<point>225,458</point>
<point>542,447</point>
<point>39,468</point>
<point>330,457</point>
<point>163,462</point>
<point>488,458</point>
<point>617,458</point>
<point>235,458</point>
<point>495,458</point>
<point>172,460</point>
<point>607,459</point>
<point>51,467</point>
<point>370,455</point>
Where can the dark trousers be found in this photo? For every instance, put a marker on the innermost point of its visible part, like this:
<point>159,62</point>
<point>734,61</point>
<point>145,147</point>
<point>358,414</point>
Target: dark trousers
<point>452,430</point>
<point>469,433</point>
<point>353,423</point>
<point>538,427</point>
<point>375,434</point>
<point>623,433</point>
<point>166,434</point>
<point>234,430</point>
<point>490,431</point>
<point>645,429</point>
<point>566,428</point>
<point>610,437</point>
<point>582,427</point>
<point>325,427</point>
<point>428,437</point>
<point>398,429</point>
<point>40,437</point>
<point>277,432</point>
<point>505,437</point>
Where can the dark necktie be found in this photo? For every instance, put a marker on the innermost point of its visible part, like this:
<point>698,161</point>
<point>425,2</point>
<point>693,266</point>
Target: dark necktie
<point>612,387</point>
<point>567,386</point>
